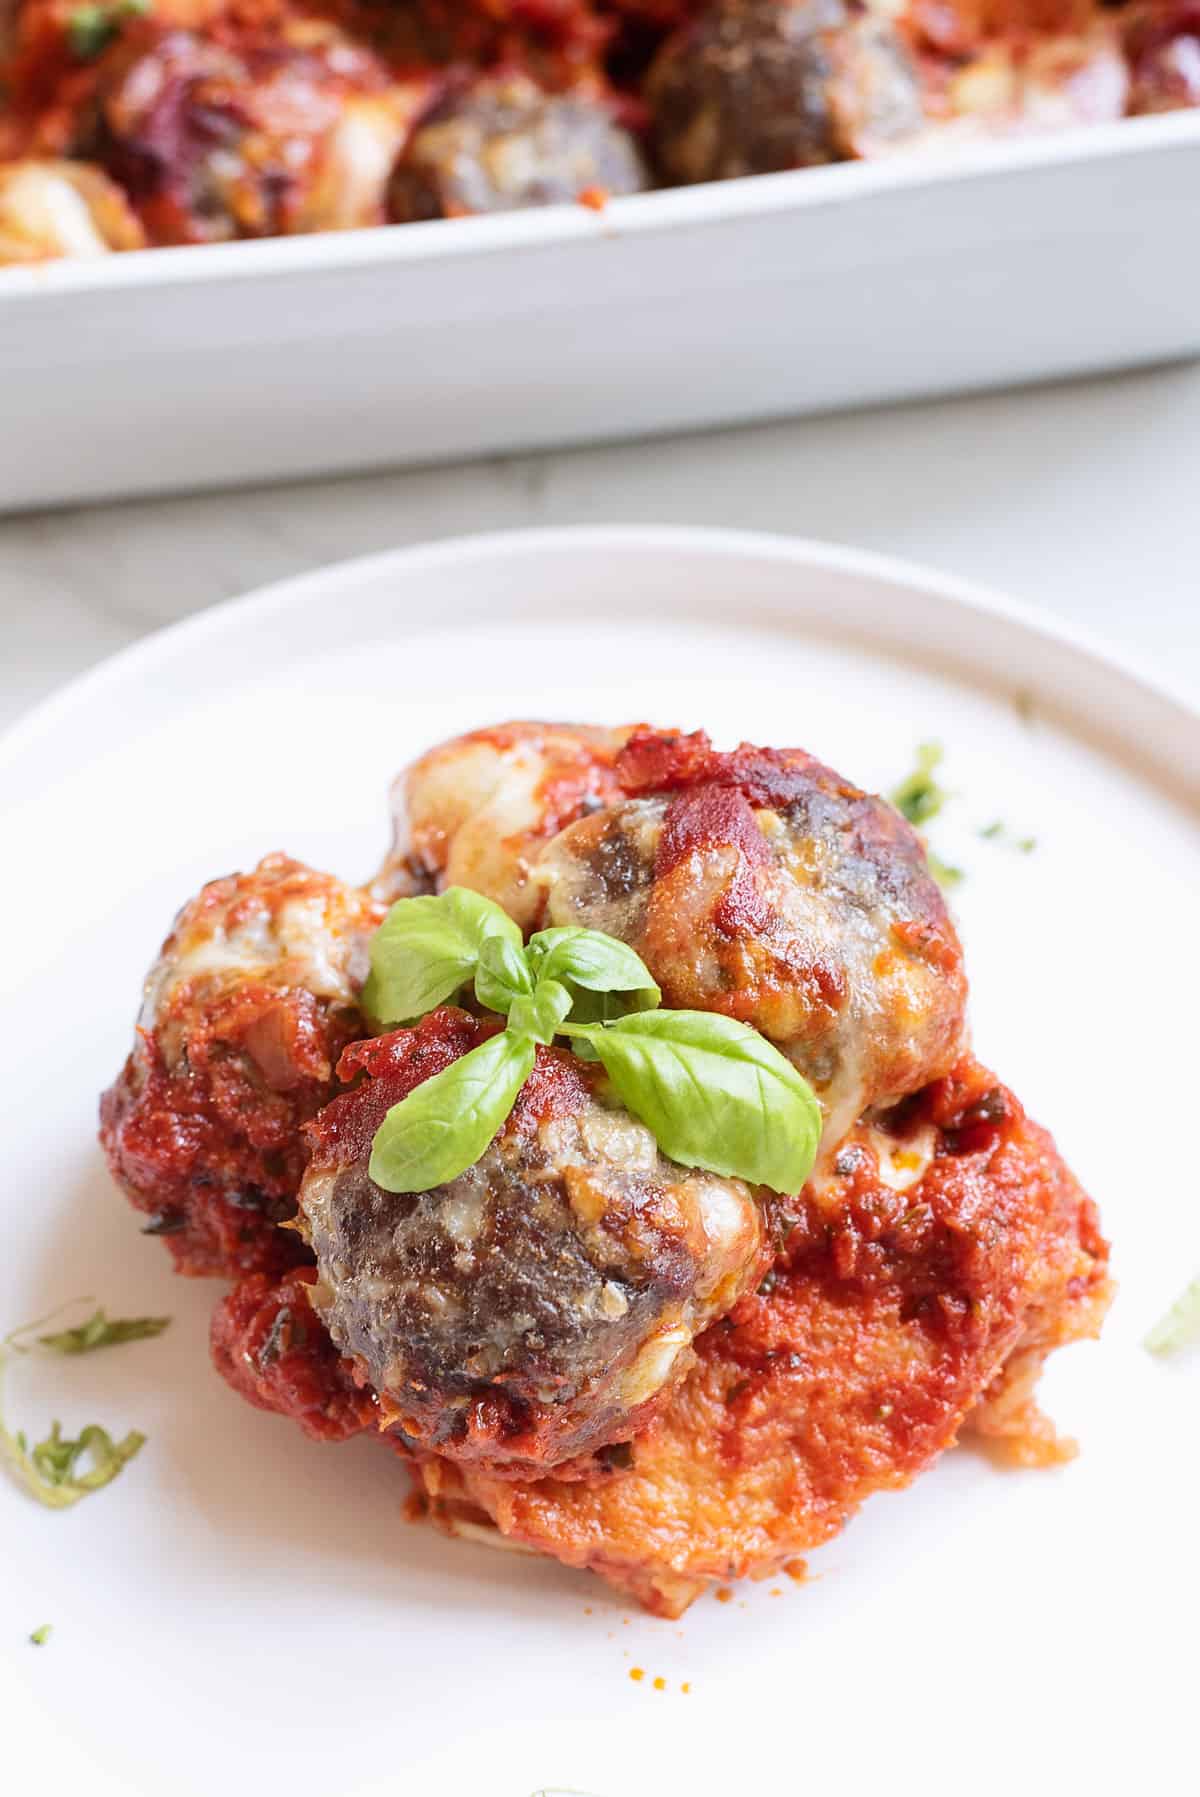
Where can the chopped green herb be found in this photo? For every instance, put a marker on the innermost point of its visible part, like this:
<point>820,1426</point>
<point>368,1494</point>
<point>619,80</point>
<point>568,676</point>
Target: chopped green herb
<point>60,1470</point>
<point>919,796</point>
<point>51,1471</point>
<point>1180,1328</point>
<point>103,1332</point>
<point>39,1637</point>
<point>91,29</point>
<point>998,831</point>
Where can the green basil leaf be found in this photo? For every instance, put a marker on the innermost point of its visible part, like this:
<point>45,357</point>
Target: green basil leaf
<point>444,1125</point>
<point>427,948</point>
<point>502,974</point>
<point>606,1007</point>
<point>714,1093</point>
<point>539,1016</point>
<point>592,960</point>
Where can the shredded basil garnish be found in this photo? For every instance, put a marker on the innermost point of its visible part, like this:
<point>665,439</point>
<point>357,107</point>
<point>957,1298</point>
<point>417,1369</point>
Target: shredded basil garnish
<point>1180,1328</point>
<point>103,1332</point>
<point>60,1469</point>
<point>920,796</point>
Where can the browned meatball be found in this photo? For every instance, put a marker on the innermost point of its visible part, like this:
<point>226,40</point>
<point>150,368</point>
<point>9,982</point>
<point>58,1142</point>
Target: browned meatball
<point>754,86</point>
<point>542,1304</point>
<point>245,135</point>
<point>475,811</point>
<point>245,1013</point>
<point>763,885</point>
<point>502,144</point>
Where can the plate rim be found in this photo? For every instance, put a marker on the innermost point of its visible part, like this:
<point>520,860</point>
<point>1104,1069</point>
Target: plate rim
<point>472,548</point>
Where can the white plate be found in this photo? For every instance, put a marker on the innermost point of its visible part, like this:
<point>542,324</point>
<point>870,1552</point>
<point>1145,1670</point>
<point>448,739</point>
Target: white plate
<point>246,1610</point>
<point>222,363</point>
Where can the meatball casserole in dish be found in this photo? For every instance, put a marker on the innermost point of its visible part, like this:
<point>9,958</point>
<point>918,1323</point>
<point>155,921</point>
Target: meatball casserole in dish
<point>132,123</point>
<point>617,1158</point>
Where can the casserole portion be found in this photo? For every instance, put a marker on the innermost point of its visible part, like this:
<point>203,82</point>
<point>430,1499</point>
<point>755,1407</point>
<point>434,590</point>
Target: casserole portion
<point>657,1220</point>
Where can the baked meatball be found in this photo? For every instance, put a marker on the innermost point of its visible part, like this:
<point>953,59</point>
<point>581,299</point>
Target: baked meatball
<point>55,208</point>
<point>755,86</point>
<point>247,136</point>
<point>503,143</point>
<point>916,1299</point>
<point>477,810</point>
<point>762,885</point>
<point>543,1304</point>
<point>244,1015</point>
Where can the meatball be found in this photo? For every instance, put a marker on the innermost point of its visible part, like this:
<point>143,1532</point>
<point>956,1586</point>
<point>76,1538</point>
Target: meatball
<point>754,86</point>
<point>245,1013</point>
<point>762,885</point>
<point>477,810</point>
<point>503,143</point>
<point>224,137</point>
<point>541,1305</point>
<point>911,1303</point>
<point>50,209</point>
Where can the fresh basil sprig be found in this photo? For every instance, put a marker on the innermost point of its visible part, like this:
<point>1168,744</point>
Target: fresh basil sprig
<point>713,1092</point>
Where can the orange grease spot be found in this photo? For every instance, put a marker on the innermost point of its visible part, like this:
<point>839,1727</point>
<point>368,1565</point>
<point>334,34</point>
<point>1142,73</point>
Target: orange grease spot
<point>660,1684</point>
<point>637,1674</point>
<point>724,1595</point>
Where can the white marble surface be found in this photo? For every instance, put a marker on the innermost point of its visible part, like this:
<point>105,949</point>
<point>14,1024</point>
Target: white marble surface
<point>1083,499</point>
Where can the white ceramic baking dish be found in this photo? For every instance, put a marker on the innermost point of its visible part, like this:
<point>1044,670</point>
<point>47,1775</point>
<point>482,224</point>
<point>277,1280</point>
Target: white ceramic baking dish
<point>747,299</point>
